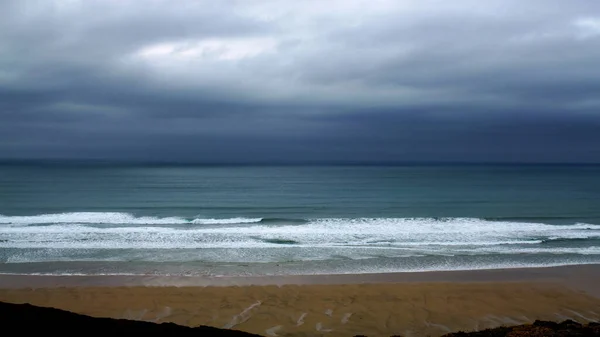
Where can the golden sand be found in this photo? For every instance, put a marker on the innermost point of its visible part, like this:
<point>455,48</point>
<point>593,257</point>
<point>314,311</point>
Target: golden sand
<point>408,309</point>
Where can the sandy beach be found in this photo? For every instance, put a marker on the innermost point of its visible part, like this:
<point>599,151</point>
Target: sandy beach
<point>409,304</point>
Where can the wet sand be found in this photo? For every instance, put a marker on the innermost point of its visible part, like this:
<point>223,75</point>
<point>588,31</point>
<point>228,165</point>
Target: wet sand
<point>410,304</point>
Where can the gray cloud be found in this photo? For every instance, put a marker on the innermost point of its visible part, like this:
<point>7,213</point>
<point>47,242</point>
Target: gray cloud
<point>284,81</point>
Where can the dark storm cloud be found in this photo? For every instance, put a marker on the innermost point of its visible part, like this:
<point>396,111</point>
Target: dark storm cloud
<point>300,81</point>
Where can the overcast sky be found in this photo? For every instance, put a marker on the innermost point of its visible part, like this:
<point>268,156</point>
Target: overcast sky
<point>300,81</point>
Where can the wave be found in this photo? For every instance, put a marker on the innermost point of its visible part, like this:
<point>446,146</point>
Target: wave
<point>122,218</point>
<point>567,240</point>
<point>283,221</point>
<point>115,218</point>
<point>528,218</point>
<point>535,250</point>
<point>281,241</point>
<point>438,235</point>
<point>226,221</point>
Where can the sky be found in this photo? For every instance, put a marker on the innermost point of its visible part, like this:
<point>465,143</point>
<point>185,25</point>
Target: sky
<point>311,81</point>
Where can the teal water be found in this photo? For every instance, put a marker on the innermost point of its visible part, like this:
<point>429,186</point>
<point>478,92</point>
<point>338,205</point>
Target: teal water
<point>220,220</point>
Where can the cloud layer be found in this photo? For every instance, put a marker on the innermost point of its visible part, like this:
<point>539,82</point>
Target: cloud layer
<point>300,81</point>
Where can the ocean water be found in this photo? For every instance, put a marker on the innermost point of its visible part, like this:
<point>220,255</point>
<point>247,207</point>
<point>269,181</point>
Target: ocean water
<point>261,220</point>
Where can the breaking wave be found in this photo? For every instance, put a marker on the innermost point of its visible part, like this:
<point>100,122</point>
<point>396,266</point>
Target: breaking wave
<point>115,230</point>
<point>115,218</point>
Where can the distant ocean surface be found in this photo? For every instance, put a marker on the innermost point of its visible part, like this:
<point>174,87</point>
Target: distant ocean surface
<point>260,220</point>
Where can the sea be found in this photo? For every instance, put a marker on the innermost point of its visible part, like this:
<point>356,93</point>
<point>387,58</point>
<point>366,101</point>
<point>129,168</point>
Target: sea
<point>219,220</point>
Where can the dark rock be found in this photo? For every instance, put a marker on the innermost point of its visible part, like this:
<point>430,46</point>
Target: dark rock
<point>24,319</point>
<point>568,324</point>
<point>497,332</point>
<point>567,328</point>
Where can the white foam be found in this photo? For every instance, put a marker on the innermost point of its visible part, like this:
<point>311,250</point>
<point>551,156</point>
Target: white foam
<point>406,235</point>
<point>533,250</point>
<point>89,218</point>
<point>226,221</point>
<point>114,218</point>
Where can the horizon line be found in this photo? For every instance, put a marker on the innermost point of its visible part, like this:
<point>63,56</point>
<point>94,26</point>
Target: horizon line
<point>121,162</point>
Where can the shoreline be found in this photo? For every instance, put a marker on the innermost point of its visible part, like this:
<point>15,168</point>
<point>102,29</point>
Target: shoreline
<point>577,277</point>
